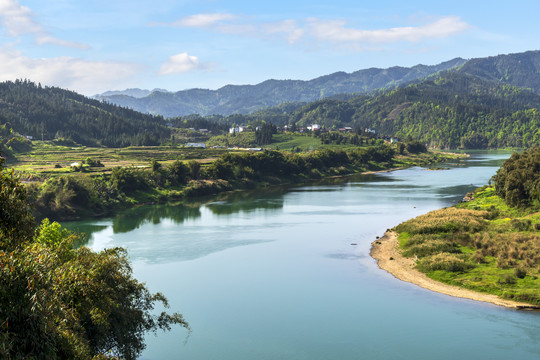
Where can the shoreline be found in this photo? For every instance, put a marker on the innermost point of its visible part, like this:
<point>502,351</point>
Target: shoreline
<point>385,251</point>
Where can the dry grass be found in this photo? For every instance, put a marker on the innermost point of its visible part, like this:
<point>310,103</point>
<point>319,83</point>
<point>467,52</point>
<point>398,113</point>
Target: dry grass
<point>495,250</point>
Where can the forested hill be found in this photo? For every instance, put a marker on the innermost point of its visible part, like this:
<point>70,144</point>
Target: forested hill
<point>521,70</point>
<point>447,111</point>
<point>244,99</point>
<point>51,113</point>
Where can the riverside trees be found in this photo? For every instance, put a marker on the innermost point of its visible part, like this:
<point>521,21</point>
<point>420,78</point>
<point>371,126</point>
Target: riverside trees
<point>62,302</point>
<point>517,182</point>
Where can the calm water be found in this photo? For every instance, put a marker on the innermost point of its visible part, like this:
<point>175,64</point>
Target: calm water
<point>286,274</point>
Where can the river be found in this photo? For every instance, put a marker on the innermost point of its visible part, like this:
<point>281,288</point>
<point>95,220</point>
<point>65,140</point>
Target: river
<point>286,273</point>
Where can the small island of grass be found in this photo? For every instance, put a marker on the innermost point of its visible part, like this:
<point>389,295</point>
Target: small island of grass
<point>485,249</point>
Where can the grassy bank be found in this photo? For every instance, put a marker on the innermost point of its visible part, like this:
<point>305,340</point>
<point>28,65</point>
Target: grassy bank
<point>105,180</point>
<point>483,245</point>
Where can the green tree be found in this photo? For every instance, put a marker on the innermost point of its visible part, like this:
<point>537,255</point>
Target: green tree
<point>17,222</point>
<point>517,181</point>
<point>194,169</point>
<point>60,301</point>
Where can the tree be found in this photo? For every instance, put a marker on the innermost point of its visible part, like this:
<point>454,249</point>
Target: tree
<point>194,169</point>
<point>17,222</point>
<point>517,181</point>
<point>60,301</point>
<point>263,136</point>
<point>177,173</point>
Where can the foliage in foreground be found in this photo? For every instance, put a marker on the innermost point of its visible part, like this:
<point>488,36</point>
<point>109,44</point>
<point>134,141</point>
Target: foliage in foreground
<point>62,302</point>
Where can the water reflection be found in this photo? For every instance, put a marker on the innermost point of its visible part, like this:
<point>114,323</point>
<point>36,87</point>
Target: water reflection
<point>246,202</point>
<point>229,220</point>
<point>201,233</point>
<point>134,218</point>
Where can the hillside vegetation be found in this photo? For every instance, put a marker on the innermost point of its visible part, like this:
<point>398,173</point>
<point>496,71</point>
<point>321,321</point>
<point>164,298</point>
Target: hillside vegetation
<point>52,113</point>
<point>485,103</point>
<point>245,99</point>
<point>489,244</point>
<point>450,110</point>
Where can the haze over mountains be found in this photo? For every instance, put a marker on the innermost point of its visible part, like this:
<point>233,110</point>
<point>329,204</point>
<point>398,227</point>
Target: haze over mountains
<point>522,70</point>
<point>483,103</point>
<point>244,99</point>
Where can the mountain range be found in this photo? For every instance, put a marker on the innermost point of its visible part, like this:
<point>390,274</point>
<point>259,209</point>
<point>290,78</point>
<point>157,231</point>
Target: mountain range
<point>481,103</point>
<point>521,70</point>
<point>244,99</point>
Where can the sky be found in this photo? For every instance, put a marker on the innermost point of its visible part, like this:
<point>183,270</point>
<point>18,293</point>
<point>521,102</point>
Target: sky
<point>93,46</point>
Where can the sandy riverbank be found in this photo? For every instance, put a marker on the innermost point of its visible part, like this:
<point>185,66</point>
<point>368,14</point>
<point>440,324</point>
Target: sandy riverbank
<point>386,248</point>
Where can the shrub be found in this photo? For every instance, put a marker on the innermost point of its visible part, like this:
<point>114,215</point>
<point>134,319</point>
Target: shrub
<point>128,180</point>
<point>429,248</point>
<point>444,261</point>
<point>520,273</point>
<point>507,279</point>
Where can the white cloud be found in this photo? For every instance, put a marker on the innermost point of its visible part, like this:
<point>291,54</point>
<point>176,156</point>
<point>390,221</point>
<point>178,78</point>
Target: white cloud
<point>203,20</point>
<point>323,31</point>
<point>287,27</point>
<point>87,77</point>
<point>335,31</point>
<point>241,25</point>
<point>19,20</point>
<point>182,63</point>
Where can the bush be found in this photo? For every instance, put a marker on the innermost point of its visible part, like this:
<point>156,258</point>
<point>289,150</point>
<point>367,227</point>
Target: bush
<point>507,279</point>
<point>444,261</point>
<point>429,248</point>
<point>415,147</point>
<point>129,180</point>
<point>520,273</point>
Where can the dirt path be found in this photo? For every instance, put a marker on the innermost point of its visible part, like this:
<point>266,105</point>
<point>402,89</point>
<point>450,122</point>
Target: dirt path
<point>402,268</point>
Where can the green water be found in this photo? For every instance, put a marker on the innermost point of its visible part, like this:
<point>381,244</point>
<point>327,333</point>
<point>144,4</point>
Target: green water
<point>286,273</point>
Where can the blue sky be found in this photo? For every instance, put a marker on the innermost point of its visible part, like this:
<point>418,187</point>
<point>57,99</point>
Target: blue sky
<point>95,45</point>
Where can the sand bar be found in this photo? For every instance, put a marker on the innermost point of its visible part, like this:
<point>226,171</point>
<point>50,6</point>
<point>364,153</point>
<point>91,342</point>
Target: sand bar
<point>386,248</point>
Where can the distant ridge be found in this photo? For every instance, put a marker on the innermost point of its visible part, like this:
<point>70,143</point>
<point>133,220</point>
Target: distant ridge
<point>245,99</point>
<point>134,92</point>
<point>520,69</point>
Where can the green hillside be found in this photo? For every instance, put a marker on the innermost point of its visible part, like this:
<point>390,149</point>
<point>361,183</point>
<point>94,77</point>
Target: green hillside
<point>53,113</point>
<point>448,111</point>
<point>244,99</point>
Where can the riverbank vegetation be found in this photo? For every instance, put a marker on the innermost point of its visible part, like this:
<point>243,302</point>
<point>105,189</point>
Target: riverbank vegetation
<point>94,187</point>
<point>490,243</point>
<point>62,301</point>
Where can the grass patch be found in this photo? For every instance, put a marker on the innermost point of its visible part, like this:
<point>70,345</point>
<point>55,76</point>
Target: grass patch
<point>482,245</point>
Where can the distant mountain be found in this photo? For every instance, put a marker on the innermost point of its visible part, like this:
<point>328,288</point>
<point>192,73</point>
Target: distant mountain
<point>450,110</point>
<point>54,113</point>
<point>521,69</point>
<point>136,93</point>
<point>245,99</point>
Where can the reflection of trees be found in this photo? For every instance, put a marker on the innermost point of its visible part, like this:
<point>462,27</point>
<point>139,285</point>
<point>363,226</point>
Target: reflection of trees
<point>247,201</point>
<point>87,228</point>
<point>132,219</point>
<point>457,192</point>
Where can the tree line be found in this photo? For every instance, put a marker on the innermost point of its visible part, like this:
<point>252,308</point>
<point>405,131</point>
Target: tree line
<point>73,196</point>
